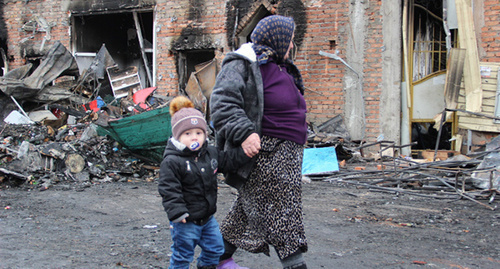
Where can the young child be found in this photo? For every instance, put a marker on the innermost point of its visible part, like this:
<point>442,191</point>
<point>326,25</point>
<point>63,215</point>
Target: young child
<point>188,186</point>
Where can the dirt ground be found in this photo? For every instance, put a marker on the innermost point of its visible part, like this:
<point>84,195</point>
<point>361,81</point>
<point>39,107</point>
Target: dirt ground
<point>122,225</point>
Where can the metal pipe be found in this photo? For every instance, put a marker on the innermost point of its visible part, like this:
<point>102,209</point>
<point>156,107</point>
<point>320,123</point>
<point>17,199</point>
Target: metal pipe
<point>338,58</point>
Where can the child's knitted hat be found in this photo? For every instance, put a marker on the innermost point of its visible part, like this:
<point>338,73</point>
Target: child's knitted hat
<point>185,116</point>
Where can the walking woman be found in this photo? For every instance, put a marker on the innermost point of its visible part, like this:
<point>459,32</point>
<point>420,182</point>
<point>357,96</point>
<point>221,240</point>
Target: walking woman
<point>257,103</point>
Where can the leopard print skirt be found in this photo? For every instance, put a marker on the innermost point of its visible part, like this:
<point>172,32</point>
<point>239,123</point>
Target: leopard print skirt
<point>268,209</point>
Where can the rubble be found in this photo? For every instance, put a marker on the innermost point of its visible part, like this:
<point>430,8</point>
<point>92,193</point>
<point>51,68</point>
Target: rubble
<point>452,178</point>
<point>440,175</point>
<point>95,128</point>
<point>51,117</point>
<point>33,156</point>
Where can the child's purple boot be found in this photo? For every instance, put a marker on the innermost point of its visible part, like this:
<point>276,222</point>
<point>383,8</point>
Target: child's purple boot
<point>229,264</point>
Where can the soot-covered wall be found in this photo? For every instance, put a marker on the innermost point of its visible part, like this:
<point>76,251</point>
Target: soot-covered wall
<point>238,9</point>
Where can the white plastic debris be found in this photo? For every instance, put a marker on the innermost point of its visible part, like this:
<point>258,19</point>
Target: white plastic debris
<point>41,115</point>
<point>15,117</point>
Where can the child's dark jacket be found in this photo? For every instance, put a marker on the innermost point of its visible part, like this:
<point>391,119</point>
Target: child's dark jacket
<point>188,179</point>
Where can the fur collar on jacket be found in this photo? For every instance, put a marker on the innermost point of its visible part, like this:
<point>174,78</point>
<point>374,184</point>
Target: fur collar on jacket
<point>246,50</point>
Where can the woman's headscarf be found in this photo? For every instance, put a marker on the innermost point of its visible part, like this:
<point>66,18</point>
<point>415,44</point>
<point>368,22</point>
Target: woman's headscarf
<point>271,38</point>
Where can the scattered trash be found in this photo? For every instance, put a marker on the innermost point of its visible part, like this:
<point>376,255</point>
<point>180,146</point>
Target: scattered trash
<point>16,117</point>
<point>487,175</point>
<point>102,125</point>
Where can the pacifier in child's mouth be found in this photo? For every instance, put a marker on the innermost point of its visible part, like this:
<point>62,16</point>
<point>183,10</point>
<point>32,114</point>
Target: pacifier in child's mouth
<point>194,145</point>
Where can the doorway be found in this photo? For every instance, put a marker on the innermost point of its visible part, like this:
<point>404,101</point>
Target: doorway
<point>427,38</point>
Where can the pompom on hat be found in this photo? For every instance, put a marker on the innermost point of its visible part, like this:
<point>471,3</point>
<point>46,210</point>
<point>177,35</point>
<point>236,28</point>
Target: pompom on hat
<point>185,116</point>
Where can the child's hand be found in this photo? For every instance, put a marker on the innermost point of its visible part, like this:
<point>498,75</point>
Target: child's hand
<point>183,220</point>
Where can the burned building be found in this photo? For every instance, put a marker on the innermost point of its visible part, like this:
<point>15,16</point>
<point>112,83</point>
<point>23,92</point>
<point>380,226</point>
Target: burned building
<point>388,68</point>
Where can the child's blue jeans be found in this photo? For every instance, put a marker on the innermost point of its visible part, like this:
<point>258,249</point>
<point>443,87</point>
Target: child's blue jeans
<point>186,236</point>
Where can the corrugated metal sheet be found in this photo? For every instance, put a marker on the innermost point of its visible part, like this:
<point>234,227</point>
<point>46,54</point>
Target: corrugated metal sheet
<point>145,134</point>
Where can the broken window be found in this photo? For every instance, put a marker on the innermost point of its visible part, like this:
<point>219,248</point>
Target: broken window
<point>429,41</point>
<point>187,62</point>
<point>128,36</point>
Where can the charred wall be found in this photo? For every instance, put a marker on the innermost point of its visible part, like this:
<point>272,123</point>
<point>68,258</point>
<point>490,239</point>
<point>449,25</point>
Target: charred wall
<point>196,8</point>
<point>3,29</point>
<point>192,38</point>
<point>3,35</point>
<point>235,10</point>
<point>297,11</point>
<point>194,44</point>
<point>193,35</point>
<point>238,9</point>
<point>84,6</point>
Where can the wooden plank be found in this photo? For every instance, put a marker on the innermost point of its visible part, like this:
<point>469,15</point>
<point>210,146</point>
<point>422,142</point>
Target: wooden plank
<point>490,93</point>
<point>454,76</point>
<point>496,112</point>
<point>465,114</point>
<point>490,109</point>
<point>491,101</point>
<point>407,70</point>
<point>487,92</point>
<point>493,65</point>
<point>489,81</point>
<point>467,39</point>
<point>490,87</point>
<point>487,102</point>
<point>477,121</point>
<point>143,49</point>
<point>486,82</point>
<point>480,128</point>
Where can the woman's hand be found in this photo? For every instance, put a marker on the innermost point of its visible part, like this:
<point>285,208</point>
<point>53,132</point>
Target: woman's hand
<point>251,145</point>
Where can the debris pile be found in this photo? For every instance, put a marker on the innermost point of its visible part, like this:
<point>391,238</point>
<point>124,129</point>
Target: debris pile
<point>37,157</point>
<point>55,117</point>
<point>92,128</point>
<point>458,177</point>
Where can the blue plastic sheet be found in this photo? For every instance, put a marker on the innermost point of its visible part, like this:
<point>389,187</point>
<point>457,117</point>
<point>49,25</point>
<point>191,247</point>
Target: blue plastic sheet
<point>320,160</point>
